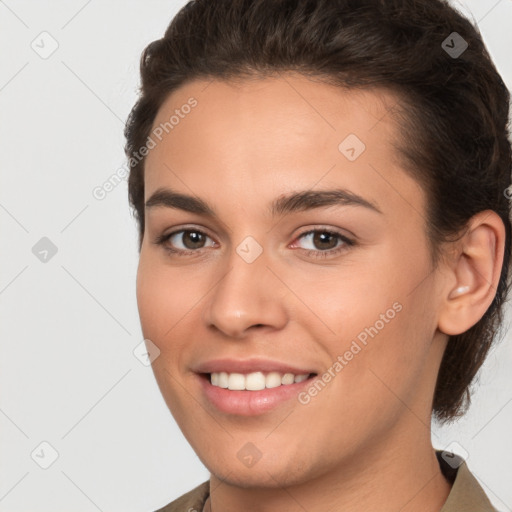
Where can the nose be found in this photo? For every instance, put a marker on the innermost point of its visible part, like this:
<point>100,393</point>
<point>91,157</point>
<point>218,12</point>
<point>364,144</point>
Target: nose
<point>245,296</point>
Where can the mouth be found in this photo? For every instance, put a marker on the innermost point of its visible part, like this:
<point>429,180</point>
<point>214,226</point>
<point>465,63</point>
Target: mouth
<point>252,393</point>
<point>254,381</point>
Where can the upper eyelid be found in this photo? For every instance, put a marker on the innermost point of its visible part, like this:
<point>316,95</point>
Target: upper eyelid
<point>187,228</point>
<point>337,231</point>
<point>346,240</point>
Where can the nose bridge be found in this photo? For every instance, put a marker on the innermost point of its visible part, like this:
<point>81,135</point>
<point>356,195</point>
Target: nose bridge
<point>247,293</point>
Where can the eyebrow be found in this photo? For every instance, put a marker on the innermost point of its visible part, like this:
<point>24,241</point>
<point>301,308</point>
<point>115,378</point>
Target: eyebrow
<point>294,202</point>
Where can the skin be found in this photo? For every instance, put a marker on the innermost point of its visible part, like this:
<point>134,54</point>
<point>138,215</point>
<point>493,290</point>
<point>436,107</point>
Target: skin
<point>364,442</point>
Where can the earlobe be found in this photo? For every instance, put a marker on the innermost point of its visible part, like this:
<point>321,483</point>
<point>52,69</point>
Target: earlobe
<point>477,269</point>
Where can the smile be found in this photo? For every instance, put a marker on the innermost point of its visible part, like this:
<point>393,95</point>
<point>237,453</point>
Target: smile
<point>231,393</point>
<point>254,381</point>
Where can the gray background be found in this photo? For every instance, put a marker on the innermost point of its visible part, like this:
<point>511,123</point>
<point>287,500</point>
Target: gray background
<point>68,375</point>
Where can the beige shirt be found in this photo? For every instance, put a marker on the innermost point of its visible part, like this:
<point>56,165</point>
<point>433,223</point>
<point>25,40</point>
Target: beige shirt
<point>466,493</point>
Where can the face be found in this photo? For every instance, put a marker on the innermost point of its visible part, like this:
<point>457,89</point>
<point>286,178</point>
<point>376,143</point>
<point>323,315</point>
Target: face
<point>301,247</point>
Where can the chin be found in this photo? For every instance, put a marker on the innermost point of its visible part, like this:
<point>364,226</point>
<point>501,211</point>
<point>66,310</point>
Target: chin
<point>264,477</point>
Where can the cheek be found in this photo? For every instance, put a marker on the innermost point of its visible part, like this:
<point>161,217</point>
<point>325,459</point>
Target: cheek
<point>391,355</point>
<point>368,321</point>
<point>150,298</point>
<point>162,304</point>
<point>169,302</point>
<point>339,305</point>
<point>164,297</point>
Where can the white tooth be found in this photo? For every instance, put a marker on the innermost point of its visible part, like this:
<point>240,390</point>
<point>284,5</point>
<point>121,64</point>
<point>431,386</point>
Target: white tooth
<point>255,381</point>
<point>223,380</point>
<point>273,380</point>
<point>287,378</point>
<point>236,381</point>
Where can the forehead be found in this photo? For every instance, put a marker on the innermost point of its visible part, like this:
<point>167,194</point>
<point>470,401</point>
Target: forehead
<point>279,133</point>
<point>288,97</point>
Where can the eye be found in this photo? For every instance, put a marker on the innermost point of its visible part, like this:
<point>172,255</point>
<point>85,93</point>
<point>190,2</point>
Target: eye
<point>185,241</point>
<point>323,242</point>
<point>319,243</point>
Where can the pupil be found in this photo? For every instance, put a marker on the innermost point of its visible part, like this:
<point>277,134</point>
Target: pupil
<point>320,239</point>
<point>193,240</point>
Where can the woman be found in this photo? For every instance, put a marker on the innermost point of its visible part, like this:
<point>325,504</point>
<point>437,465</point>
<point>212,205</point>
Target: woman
<point>320,187</point>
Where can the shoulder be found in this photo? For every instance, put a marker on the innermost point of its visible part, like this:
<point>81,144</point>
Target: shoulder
<point>466,492</point>
<point>192,501</point>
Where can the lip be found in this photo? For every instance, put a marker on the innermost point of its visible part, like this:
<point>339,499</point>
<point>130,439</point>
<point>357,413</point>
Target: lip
<point>250,403</point>
<point>250,365</point>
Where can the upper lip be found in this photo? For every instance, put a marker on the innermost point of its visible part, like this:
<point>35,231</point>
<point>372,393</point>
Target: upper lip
<point>249,366</point>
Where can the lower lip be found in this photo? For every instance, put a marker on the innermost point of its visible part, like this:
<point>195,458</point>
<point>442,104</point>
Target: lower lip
<point>250,403</point>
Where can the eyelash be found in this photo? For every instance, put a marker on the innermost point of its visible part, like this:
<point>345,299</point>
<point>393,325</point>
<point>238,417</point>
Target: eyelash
<point>316,253</point>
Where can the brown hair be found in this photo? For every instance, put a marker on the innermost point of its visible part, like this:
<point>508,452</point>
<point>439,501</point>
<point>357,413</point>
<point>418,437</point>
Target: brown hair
<point>453,108</point>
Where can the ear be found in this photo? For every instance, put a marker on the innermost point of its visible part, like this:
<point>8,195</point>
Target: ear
<point>475,273</point>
